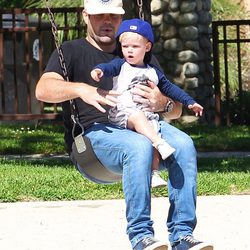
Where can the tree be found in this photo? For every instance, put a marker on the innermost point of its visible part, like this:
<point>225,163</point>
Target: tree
<point>39,3</point>
<point>12,3</point>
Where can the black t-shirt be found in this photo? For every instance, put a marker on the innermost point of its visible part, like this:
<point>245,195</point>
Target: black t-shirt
<point>80,58</point>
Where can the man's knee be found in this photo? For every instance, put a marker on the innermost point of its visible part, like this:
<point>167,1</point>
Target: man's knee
<point>139,145</point>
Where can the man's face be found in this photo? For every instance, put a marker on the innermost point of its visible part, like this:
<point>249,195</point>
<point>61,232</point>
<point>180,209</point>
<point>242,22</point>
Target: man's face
<point>102,27</point>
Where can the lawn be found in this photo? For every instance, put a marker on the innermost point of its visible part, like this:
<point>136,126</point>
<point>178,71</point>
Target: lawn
<point>48,139</point>
<point>57,179</point>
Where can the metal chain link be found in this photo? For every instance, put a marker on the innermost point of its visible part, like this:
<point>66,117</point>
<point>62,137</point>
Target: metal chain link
<point>74,114</point>
<point>57,42</point>
<point>140,5</point>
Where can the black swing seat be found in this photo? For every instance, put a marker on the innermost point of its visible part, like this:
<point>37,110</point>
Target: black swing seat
<point>89,165</point>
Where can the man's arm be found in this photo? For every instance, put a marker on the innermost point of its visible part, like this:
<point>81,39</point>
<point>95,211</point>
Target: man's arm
<point>53,88</point>
<point>111,68</point>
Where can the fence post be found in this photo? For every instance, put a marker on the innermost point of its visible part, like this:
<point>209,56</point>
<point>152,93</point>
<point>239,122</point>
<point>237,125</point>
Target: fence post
<point>1,65</point>
<point>216,69</point>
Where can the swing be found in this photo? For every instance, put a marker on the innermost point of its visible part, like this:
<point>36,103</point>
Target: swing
<point>87,162</point>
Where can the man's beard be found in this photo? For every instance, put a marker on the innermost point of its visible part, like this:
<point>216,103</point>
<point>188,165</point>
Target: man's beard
<point>105,41</point>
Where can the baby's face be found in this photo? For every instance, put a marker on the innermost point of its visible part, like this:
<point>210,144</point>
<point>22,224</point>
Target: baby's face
<point>134,47</point>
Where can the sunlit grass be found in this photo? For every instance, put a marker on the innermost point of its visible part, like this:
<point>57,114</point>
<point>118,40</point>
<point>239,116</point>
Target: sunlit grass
<point>57,179</point>
<point>49,139</point>
<point>23,180</point>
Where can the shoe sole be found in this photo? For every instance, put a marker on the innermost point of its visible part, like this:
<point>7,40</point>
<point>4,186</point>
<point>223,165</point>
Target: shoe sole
<point>202,246</point>
<point>159,186</point>
<point>157,246</point>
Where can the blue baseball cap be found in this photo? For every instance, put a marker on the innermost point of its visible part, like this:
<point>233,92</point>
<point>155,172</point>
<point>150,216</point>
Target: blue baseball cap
<point>137,26</point>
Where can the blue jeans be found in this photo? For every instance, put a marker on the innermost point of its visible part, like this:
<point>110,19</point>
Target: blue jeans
<point>129,153</point>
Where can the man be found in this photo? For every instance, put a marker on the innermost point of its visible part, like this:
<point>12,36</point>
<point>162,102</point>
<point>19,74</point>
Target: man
<point>121,150</point>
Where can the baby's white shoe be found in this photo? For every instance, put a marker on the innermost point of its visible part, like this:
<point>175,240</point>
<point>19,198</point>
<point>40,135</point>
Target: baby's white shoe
<point>156,180</point>
<point>164,148</point>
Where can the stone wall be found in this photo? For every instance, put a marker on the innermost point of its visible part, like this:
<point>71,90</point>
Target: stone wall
<point>183,47</point>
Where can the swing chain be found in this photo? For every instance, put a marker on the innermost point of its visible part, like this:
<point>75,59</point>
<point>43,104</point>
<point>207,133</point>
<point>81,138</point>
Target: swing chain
<point>140,4</point>
<point>57,43</point>
<point>61,57</point>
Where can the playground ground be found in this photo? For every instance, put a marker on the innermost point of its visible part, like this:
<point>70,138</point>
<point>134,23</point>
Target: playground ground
<point>94,225</point>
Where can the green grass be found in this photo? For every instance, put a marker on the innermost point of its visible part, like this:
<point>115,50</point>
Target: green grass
<point>224,176</point>
<point>32,180</point>
<point>31,139</point>
<point>57,179</point>
<point>48,139</point>
<point>23,180</point>
<point>211,138</point>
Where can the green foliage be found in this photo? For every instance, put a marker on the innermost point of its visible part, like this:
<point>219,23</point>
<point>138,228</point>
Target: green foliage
<point>12,3</point>
<point>53,4</point>
<point>237,108</point>
<point>39,3</point>
<point>232,69</point>
<point>226,10</point>
<point>229,10</point>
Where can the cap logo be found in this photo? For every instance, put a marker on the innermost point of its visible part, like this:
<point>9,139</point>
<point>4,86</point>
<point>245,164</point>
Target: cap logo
<point>133,27</point>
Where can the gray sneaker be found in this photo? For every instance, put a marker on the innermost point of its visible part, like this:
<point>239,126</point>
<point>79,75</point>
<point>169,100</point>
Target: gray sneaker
<point>150,243</point>
<point>189,243</point>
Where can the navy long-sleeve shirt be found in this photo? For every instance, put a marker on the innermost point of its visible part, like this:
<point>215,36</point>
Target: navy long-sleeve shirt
<point>119,66</point>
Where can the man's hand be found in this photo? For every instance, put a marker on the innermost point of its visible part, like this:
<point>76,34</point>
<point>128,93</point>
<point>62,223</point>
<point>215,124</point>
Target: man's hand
<point>98,97</point>
<point>153,100</point>
<point>52,88</point>
<point>152,97</point>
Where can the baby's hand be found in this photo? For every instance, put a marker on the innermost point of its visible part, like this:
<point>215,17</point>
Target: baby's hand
<point>96,74</point>
<point>197,108</point>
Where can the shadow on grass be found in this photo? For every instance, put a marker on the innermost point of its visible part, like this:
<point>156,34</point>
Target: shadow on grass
<point>47,162</point>
<point>231,164</point>
<point>33,144</point>
<point>31,140</point>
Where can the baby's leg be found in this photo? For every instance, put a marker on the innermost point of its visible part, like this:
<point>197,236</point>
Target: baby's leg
<point>156,180</point>
<point>156,160</point>
<point>137,121</point>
